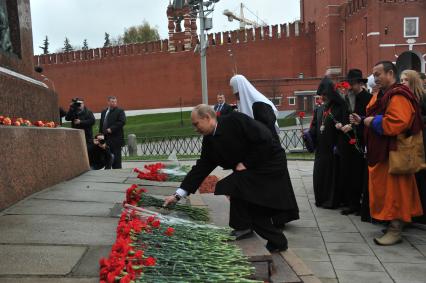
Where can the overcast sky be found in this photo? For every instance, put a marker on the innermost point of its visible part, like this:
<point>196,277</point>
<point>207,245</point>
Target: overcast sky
<point>90,19</point>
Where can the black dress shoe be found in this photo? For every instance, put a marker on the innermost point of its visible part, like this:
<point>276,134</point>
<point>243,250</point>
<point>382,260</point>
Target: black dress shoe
<point>350,210</point>
<point>242,234</point>
<point>275,249</point>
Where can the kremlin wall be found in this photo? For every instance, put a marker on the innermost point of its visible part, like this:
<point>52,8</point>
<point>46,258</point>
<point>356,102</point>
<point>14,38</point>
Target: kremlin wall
<point>285,62</point>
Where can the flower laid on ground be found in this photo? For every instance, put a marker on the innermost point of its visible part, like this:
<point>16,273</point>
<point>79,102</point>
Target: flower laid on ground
<point>162,172</point>
<point>137,197</point>
<point>169,231</point>
<point>127,260</point>
<point>156,254</point>
<point>7,121</point>
<point>149,250</point>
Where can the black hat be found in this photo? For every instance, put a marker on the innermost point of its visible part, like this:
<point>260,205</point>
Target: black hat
<point>355,75</point>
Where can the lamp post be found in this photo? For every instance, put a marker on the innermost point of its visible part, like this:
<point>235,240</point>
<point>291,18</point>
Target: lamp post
<point>203,9</point>
<point>203,48</point>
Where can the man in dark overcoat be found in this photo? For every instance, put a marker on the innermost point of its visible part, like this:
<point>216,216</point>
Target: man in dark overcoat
<point>81,118</point>
<point>111,125</point>
<point>259,187</point>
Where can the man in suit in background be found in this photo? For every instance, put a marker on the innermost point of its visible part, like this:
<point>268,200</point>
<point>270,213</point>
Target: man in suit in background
<point>221,107</point>
<point>111,125</point>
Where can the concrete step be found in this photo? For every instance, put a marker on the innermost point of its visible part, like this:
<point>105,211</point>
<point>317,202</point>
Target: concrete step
<point>281,271</point>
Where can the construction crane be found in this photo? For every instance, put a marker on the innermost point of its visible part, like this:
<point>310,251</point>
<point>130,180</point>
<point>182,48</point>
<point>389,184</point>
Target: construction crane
<point>243,20</point>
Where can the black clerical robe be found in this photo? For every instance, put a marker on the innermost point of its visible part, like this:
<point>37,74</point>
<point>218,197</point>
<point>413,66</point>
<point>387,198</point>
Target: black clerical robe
<point>353,162</point>
<point>264,113</point>
<point>329,143</point>
<point>238,138</point>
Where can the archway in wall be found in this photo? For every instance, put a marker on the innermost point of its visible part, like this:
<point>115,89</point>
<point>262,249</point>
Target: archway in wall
<point>410,60</point>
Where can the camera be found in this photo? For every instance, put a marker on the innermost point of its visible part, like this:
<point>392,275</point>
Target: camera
<point>75,103</point>
<point>100,139</point>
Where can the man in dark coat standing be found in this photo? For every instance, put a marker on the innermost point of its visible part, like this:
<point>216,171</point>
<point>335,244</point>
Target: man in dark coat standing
<point>221,107</point>
<point>354,162</point>
<point>111,125</point>
<point>259,187</point>
<point>81,118</point>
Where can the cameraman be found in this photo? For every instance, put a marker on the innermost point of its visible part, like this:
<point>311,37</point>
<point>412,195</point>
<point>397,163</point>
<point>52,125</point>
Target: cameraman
<point>81,118</point>
<point>99,153</point>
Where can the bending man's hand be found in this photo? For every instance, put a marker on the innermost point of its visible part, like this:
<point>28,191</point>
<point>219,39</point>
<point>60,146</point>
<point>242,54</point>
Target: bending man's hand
<point>240,167</point>
<point>169,200</point>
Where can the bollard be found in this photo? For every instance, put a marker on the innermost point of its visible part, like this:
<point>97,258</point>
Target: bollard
<point>132,145</point>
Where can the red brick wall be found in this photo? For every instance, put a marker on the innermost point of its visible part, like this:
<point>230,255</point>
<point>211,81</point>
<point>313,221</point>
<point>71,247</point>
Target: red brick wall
<point>286,88</point>
<point>346,34</point>
<point>146,76</point>
<point>354,39</point>
<point>328,22</point>
<point>364,51</point>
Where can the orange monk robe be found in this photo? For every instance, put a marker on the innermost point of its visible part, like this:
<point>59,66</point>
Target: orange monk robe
<point>393,196</point>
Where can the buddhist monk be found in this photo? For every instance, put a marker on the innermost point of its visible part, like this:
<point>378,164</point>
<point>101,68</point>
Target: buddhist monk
<point>394,110</point>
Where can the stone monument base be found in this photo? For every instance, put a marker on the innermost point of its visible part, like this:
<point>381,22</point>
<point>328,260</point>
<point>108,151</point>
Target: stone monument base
<point>36,158</point>
<point>25,97</point>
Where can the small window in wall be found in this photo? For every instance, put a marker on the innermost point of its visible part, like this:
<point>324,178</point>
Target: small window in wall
<point>276,100</point>
<point>411,27</point>
<point>291,100</point>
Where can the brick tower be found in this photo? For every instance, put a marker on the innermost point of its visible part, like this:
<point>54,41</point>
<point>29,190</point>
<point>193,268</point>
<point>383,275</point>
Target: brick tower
<point>181,40</point>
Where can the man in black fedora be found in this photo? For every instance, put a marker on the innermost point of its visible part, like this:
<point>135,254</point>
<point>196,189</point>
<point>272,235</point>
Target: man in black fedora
<point>352,159</point>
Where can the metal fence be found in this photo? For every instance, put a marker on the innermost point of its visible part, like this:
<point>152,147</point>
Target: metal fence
<point>191,145</point>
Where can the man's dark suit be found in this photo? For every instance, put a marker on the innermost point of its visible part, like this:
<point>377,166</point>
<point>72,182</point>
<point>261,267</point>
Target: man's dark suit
<point>258,193</point>
<point>223,109</point>
<point>116,119</point>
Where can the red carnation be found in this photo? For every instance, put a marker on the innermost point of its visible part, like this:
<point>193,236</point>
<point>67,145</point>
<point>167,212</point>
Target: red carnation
<point>156,223</point>
<point>352,141</point>
<point>301,114</point>
<point>344,85</point>
<point>151,219</point>
<point>150,261</point>
<point>169,232</point>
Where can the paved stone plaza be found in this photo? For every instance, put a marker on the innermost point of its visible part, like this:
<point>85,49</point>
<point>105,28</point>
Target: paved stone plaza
<point>59,234</point>
<point>341,249</point>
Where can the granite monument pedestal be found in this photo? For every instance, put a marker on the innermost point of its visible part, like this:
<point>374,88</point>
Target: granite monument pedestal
<point>31,158</point>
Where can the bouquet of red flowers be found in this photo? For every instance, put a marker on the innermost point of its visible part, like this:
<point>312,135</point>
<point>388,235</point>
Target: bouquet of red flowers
<point>136,196</point>
<point>163,173</point>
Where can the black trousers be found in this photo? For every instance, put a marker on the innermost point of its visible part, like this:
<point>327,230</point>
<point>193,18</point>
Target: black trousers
<point>245,215</point>
<point>116,150</point>
<point>353,169</point>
